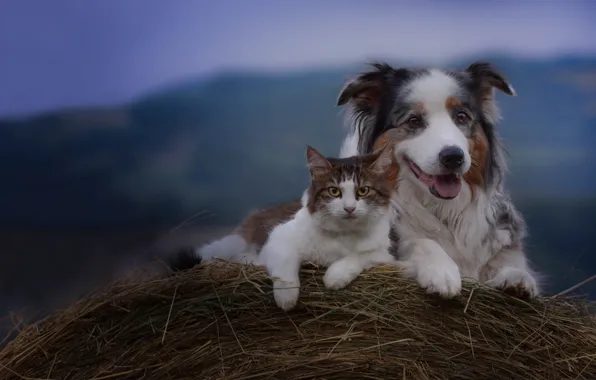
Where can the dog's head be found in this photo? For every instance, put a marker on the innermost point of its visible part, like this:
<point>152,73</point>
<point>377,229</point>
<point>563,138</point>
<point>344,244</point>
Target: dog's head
<point>441,121</point>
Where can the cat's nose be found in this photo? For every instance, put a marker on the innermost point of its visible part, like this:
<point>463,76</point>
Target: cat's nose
<point>349,210</point>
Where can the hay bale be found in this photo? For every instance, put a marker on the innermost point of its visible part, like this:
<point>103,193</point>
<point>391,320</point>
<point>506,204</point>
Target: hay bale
<point>219,321</point>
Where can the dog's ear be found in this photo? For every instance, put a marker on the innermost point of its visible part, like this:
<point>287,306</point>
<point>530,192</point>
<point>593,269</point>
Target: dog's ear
<point>384,157</point>
<point>386,164</point>
<point>366,89</point>
<point>486,78</point>
<point>317,163</point>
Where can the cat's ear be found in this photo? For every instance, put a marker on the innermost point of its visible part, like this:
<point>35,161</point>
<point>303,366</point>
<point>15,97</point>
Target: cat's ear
<point>385,162</point>
<point>317,163</point>
<point>486,77</point>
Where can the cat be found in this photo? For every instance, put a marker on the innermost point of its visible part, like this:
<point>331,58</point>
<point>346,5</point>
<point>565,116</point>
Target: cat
<point>344,224</point>
<point>342,221</point>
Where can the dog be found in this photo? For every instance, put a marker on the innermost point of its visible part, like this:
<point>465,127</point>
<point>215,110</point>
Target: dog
<point>455,218</point>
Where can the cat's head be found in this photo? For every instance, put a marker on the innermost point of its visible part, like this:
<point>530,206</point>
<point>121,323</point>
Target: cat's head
<point>354,189</point>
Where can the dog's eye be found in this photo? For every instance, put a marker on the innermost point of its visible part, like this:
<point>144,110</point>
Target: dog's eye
<point>414,121</point>
<point>461,117</point>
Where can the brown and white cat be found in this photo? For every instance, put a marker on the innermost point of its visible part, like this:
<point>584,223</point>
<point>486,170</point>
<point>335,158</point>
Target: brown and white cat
<point>342,222</point>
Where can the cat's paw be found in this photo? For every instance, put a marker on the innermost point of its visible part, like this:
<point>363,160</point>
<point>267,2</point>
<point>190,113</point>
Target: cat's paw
<point>286,294</point>
<point>340,274</point>
<point>516,282</point>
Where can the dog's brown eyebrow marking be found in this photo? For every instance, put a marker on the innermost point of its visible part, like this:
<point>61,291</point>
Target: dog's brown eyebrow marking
<point>419,108</point>
<point>452,102</point>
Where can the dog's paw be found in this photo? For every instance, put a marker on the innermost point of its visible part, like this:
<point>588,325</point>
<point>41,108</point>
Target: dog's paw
<point>425,261</point>
<point>441,277</point>
<point>516,282</point>
<point>286,294</point>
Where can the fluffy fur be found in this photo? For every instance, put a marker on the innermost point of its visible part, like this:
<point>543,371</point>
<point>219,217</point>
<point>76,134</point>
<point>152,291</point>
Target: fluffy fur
<point>454,217</point>
<point>342,221</point>
<point>344,224</point>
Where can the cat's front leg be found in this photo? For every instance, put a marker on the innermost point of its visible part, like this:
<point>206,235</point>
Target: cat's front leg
<point>508,271</point>
<point>427,262</point>
<point>281,257</point>
<point>285,270</point>
<point>345,270</point>
<point>286,283</point>
<point>342,272</point>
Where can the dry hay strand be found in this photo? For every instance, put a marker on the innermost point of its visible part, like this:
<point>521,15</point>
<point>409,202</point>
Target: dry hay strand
<point>220,321</point>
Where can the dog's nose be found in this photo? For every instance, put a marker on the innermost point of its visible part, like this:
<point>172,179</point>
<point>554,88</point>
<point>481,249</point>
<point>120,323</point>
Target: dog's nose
<point>451,157</point>
<point>349,210</point>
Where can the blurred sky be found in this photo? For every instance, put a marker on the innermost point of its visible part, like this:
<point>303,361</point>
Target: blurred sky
<point>81,52</point>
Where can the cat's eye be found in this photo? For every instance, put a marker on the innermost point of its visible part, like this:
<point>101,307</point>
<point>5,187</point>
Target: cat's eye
<point>334,191</point>
<point>363,191</point>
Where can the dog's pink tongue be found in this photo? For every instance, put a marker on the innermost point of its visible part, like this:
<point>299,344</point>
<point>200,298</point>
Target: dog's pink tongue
<point>447,186</point>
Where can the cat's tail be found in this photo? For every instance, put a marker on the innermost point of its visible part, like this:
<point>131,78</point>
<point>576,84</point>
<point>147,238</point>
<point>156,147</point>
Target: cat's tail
<point>232,247</point>
<point>226,248</point>
<point>183,259</point>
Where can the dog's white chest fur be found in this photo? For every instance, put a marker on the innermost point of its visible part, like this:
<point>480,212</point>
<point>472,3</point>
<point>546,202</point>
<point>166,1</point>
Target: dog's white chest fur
<point>459,226</point>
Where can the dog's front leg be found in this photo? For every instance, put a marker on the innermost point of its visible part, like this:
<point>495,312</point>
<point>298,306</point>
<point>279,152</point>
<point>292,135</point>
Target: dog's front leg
<point>508,270</point>
<point>427,262</point>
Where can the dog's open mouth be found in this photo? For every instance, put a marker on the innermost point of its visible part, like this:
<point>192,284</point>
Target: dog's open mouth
<point>444,186</point>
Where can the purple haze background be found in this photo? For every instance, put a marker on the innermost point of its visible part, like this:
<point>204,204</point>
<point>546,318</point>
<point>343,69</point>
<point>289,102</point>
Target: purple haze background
<point>64,53</point>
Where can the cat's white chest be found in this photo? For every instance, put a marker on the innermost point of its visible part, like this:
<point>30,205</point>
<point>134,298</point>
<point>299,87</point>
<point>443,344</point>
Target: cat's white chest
<point>304,237</point>
<point>324,250</point>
